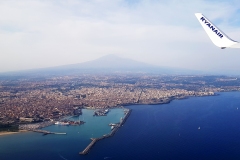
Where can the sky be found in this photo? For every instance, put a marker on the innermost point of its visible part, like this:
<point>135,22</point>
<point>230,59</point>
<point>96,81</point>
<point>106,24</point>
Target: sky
<point>43,33</point>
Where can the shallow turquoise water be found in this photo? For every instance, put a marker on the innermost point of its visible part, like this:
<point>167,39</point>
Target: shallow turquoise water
<point>35,146</point>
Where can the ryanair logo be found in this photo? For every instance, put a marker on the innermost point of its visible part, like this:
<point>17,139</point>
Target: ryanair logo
<point>212,27</point>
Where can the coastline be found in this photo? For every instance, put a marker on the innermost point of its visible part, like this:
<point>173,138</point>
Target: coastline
<point>152,103</point>
<point>3,133</point>
<point>120,106</point>
<point>124,137</point>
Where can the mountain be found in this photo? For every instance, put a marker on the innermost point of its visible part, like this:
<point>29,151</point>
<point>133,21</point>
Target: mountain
<point>112,63</point>
<point>106,64</point>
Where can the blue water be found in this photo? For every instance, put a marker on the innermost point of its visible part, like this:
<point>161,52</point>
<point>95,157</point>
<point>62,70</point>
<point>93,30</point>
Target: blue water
<point>168,131</point>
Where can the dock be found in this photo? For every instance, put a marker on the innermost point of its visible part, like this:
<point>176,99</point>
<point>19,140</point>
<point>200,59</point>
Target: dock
<point>113,131</point>
<point>128,112</point>
<point>85,151</point>
<point>45,132</point>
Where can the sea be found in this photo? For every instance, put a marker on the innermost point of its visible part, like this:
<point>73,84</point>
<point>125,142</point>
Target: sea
<point>193,128</point>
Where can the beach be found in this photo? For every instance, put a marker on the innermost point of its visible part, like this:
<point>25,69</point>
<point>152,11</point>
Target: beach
<point>8,133</point>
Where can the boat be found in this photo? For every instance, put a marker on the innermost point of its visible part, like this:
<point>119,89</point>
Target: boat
<point>62,123</point>
<point>112,127</point>
<point>198,127</point>
<point>106,111</point>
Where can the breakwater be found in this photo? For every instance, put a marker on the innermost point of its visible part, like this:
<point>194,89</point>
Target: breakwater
<point>45,132</point>
<point>113,131</point>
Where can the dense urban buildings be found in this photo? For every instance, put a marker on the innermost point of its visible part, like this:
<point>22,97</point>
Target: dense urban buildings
<point>25,100</point>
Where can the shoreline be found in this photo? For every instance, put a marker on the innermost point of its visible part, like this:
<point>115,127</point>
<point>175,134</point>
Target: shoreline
<point>152,103</point>
<point>120,106</point>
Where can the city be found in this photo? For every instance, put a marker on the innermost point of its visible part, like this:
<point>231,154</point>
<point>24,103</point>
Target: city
<point>29,100</point>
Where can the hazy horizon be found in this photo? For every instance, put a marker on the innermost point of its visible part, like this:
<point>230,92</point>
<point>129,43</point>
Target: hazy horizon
<point>41,34</point>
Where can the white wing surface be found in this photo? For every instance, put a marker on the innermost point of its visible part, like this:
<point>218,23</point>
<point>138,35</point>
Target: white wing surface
<point>218,37</point>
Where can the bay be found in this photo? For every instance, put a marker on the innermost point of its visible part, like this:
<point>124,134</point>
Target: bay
<point>36,146</point>
<point>168,131</point>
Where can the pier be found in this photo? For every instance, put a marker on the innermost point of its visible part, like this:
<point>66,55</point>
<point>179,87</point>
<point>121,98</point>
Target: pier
<point>128,112</point>
<point>45,132</point>
<point>113,131</point>
<point>85,151</point>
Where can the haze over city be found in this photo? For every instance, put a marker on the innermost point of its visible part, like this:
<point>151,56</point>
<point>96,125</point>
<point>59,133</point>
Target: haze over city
<point>39,34</point>
<point>119,79</point>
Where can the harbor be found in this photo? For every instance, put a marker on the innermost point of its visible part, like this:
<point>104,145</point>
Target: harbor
<point>37,126</point>
<point>113,131</point>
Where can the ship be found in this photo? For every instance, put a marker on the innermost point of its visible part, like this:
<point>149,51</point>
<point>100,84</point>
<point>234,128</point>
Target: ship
<point>106,111</point>
<point>101,112</point>
<point>112,124</point>
<point>62,123</point>
<point>112,127</point>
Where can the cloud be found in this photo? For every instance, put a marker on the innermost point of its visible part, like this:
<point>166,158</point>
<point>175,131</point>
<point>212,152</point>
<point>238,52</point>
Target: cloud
<point>36,34</point>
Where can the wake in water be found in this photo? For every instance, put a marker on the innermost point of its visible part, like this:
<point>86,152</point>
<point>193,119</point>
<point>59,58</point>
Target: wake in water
<point>62,157</point>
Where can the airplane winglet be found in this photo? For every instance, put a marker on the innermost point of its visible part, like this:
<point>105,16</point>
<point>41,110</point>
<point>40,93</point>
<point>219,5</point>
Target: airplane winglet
<point>218,37</point>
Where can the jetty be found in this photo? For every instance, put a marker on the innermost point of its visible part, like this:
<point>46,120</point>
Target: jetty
<point>45,132</point>
<point>113,131</point>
